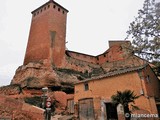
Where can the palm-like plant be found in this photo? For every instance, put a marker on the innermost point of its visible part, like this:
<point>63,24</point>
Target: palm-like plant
<point>124,98</point>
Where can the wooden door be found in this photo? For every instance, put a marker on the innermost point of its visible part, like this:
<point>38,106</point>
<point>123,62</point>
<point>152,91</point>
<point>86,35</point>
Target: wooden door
<point>86,109</point>
<point>70,105</point>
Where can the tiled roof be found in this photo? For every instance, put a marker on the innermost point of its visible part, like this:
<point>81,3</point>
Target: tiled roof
<point>118,72</point>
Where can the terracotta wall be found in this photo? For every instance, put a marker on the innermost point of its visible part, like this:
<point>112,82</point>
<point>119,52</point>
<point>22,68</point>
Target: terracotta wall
<point>151,82</point>
<point>108,86</point>
<point>83,57</point>
<point>79,65</point>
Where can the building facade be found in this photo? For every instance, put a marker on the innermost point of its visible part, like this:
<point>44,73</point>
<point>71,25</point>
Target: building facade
<point>94,95</point>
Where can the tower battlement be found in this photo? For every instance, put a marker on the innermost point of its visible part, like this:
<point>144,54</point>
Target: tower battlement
<point>49,4</point>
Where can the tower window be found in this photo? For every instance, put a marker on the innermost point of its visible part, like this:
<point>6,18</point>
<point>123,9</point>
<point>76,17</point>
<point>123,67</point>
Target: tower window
<point>97,58</point>
<point>44,8</point>
<point>34,14</point>
<point>54,6</point>
<point>48,6</point>
<point>59,9</point>
<point>53,34</point>
<point>63,12</point>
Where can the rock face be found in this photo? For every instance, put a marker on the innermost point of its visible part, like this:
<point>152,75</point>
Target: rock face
<point>10,90</point>
<point>37,75</point>
<point>14,109</point>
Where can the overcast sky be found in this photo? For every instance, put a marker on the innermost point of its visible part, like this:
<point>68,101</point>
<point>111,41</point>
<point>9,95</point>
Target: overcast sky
<point>90,24</point>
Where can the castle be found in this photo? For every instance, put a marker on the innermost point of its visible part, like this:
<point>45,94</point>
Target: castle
<point>47,40</point>
<point>47,48</point>
<point>48,63</point>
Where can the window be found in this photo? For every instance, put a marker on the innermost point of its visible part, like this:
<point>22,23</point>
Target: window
<point>140,74</point>
<point>97,58</point>
<point>63,12</point>
<point>86,87</point>
<point>59,9</point>
<point>34,14</point>
<point>148,79</point>
<point>54,6</point>
<point>52,34</point>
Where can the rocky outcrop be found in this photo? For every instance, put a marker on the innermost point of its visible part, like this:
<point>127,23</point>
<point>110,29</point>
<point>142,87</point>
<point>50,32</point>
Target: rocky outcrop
<point>14,109</point>
<point>37,75</point>
<point>10,90</point>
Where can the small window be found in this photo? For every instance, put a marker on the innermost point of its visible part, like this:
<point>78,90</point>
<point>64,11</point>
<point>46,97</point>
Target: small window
<point>148,79</point>
<point>63,12</point>
<point>140,74</point>
<point>97,58</point>
<point>44,8</point>
<point>104,55</point>
<point>52,34</point>
<point>41,10</point>
<point>59,9</point>
<point>34,14</point>
<point>86,87</point>
<point>48,6</point>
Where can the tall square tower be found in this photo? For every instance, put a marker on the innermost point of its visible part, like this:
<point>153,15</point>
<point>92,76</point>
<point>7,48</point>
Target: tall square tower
<point>47,34</point>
